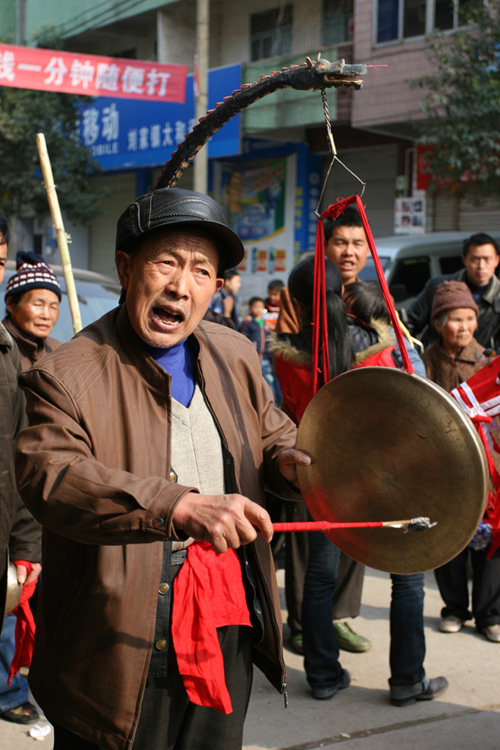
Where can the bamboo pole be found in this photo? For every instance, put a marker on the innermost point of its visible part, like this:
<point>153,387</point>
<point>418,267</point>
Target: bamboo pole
<point>62,240</point>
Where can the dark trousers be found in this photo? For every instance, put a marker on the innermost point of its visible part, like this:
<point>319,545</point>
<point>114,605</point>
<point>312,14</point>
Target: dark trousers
<point>321,649</point>
<point>169,721</point>
<point>453,586</point>
<point>407,649</point>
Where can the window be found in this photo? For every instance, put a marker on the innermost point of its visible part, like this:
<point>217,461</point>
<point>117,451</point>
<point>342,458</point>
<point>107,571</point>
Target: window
<point>337,21</point>
<point>409,277</point>
<point>404,19</point>
<point>271,33</point>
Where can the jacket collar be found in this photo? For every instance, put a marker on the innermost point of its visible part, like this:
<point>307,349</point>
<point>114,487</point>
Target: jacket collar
<point>29,345</point>
<point>492,290</point>
<point>5,337</point>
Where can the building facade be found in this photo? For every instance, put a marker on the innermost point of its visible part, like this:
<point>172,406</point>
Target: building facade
<point>270,168</point>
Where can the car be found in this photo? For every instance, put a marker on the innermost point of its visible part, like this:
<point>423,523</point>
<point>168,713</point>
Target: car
<point>410,261</point>
<point>97,294</point>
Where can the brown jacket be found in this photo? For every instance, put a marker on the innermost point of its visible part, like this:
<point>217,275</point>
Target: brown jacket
<point>449,372</point>
<point>20,534</point>
<point>30,350</point>
<point>93,467</point>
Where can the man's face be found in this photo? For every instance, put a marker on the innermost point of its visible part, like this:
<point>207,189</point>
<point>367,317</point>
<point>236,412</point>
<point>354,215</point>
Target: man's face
<point>170,282</point>
<point>348,249</point>
<point>36,312</point>
<point>233,285</point>
<point>3,258</point>
<point>273,295</point>
<point>481,262</point>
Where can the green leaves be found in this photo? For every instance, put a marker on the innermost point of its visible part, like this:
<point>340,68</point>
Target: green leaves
<point>462,105</point>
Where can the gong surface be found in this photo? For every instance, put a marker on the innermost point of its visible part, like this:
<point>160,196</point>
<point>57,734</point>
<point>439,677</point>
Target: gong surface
<point>386,446</point>
<point>14,589</point>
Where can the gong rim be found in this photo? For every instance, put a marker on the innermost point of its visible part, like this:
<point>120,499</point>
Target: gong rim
<point>386,445</point>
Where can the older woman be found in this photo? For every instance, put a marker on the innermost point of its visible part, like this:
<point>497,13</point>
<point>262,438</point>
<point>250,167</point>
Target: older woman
<point>456,355</point>
<point>453,358</point>
<point>32,299</point>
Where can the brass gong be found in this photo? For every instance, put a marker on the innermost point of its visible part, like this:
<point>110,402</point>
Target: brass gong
<point>386,445</point>
<point>14,589</point>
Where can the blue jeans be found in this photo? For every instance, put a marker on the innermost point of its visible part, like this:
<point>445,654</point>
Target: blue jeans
<point>17,693</point>
<point>321,649</point>
<point>407,650</point>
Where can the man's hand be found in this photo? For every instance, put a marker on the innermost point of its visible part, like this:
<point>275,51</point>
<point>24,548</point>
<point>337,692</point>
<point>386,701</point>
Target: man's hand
<point>288,460</point>
<point>223,520</point>
<point>21,573</point>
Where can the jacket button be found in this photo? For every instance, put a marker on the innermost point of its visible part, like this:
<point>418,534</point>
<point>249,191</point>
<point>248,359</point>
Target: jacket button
<point>161,644</point>
<point>158,523</point>
<point>164,587</point>
<point>172,477</point>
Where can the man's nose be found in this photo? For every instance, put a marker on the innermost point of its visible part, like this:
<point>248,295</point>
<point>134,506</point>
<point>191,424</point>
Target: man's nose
<point>178,282</point>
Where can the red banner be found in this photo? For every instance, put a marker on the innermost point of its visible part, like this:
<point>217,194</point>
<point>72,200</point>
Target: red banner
<point>51,70</point>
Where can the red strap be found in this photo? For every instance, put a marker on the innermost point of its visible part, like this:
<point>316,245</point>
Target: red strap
<point>319,299</point>
<point>407,365</point>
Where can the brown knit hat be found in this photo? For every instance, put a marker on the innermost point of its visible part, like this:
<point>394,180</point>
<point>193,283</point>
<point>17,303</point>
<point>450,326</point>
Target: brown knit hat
<point>449,296</point>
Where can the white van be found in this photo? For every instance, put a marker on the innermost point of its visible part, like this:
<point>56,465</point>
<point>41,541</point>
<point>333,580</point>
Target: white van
<point>410,261</point>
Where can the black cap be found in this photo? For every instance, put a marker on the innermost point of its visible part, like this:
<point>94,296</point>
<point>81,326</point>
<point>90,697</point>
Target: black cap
<point>168,207</point>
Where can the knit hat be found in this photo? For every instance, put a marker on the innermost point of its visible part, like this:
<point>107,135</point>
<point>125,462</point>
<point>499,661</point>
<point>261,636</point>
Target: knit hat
<point>32,273</point>
<point>449,296</point>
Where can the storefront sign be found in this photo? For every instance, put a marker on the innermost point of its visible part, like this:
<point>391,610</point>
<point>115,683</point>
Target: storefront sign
<point>53,70</point>
<point>125,135</point>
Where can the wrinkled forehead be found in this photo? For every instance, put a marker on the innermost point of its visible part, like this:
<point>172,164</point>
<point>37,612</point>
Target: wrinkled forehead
<point>182,240</point>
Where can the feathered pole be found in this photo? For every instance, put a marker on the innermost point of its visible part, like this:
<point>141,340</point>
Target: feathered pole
<point>61,236</point>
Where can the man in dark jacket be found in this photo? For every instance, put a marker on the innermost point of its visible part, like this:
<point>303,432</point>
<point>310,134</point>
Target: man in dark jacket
<point>20,537</point>
<point>480,256</point>
<point>149,430</point>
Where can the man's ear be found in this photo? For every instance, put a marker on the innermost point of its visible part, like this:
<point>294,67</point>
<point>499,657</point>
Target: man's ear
<point>9,305</point>
<point>123,263</point>
<point>218,284</point>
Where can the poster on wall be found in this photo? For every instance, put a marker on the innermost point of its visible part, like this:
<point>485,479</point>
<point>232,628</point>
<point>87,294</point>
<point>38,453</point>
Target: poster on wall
<point>258,200</point>
<point>409,216</point>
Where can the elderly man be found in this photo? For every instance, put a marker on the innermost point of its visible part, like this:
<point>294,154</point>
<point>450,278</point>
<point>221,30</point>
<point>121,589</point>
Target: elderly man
<point>150,429</point>
<point>480,256</point>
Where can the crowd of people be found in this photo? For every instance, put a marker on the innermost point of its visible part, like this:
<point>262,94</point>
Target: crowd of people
<point>147,450</point>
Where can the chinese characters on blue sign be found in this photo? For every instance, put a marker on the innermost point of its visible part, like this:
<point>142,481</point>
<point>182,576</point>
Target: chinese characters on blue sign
<point>126,134</point>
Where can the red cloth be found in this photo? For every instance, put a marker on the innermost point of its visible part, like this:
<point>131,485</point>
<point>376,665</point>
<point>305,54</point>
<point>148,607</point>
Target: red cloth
<point>25,625</point>
<point>208,594</point>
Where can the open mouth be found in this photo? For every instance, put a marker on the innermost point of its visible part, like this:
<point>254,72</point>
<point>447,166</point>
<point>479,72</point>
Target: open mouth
<point>167,317</point>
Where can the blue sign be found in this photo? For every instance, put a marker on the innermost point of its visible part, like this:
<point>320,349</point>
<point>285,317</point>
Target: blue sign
<point>126,133</point>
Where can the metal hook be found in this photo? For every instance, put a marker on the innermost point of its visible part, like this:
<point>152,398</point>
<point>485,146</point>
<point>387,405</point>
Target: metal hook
<point>333,151</point>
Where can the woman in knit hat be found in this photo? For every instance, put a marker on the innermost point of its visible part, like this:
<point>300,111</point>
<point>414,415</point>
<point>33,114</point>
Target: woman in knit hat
<point>453,358</point>
<point>456,355</point>
<point>32,300</point>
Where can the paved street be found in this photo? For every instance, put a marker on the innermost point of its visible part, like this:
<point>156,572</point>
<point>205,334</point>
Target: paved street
<point>466,717</point>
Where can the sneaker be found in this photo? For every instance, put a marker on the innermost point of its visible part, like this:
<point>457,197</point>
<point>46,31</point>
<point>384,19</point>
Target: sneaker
<point>348,640</point>
<point>26,713</point>
<point>451,624</point>
<point>296,642</point>
<point>324,694</point>
<point>492,633</point>
<point>436,686</point>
